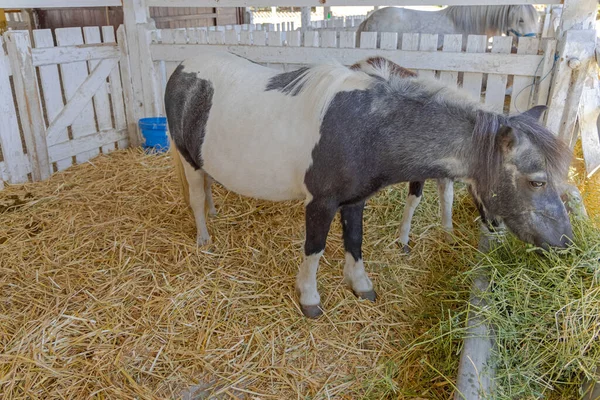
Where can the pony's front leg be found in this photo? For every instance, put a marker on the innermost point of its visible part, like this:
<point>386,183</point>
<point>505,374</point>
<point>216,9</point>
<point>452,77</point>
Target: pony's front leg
<point>415,193</point>
<point>354,269</point>
<point>446,194</point>
<point>210,204</point>
<point>319,215</point>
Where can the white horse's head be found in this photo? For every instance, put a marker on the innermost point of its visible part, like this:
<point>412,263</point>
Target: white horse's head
<point>522,21</point>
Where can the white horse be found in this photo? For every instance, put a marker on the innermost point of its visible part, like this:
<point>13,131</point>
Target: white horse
<point>515,20</point>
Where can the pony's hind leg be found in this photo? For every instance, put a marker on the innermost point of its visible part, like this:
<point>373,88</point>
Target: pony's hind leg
<point>446,193</point>
<point>196,182</point>
<point>354,269</point>
<point>208,180</point>
<point>319,215</point>
<point>415,193</point>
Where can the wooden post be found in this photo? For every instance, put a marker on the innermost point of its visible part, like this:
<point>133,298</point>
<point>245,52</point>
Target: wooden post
<point>135,138</point>
<point>28,100</point>
<point>305,19</point>
<point>326,12</point>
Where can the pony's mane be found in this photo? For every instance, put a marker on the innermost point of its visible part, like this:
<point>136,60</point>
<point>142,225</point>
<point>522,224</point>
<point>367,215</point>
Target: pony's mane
<point>484,19</point>
<point>489,155</point>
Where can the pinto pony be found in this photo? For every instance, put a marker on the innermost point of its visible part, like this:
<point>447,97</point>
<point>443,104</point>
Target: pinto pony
<point>514,20</point>
<point>333,136</point>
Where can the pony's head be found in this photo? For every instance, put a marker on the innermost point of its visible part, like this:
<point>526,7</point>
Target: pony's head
<point>518,173</point>
<point>522,21</point>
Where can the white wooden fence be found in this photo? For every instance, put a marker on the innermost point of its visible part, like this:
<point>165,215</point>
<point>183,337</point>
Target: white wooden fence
<point>61,104</point>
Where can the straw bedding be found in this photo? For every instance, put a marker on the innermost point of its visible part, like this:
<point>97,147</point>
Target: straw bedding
<point>104,294</point>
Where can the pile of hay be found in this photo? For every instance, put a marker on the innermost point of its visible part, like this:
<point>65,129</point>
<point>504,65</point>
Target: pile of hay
<point>104,294</point>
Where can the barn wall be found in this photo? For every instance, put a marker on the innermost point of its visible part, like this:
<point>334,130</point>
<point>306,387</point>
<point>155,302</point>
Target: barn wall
<point>165,17</point>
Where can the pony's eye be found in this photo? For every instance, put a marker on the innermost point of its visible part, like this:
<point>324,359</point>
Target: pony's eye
<point>537,184</point>
<point>521,21</point>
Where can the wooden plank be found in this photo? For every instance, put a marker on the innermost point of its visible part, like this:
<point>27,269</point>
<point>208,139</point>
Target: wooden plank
<point>170,18</point>
<point>274,38</point>
<point>523,86</point>
<point>311,39</point>
<point>347,39</point>
<point>368,40</point>
<point>472,80</point>
<point>452,43</point>
<point>589,110</point>
<point>86,144</point>
<point>51,90</point>
<point>28,100</point>
<point>16,164</point>
<point>91,35</point>
<point>548,64</point>
<point>410,42</point>
<point>74,74</point>
<point>77,103</point>
<point>428,43</point>
<point>231,37</point>
<point>389,40</point>
<point>565,93</point>
<point>133,133</point>
<point>69,54</point>
<point>294,38</point>
<point>19,4</point>
<point>329,39</point>
<point>331,3</point>
<point>496,83</point>
<point>501,63</point>
<point>116,90</point>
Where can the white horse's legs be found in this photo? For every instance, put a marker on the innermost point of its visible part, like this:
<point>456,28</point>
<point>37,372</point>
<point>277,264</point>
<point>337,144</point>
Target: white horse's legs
<point>415,192</point>
<point>306,285</point>
<point>208,191</point>
<point>196,183</point>
<point>446,193</point>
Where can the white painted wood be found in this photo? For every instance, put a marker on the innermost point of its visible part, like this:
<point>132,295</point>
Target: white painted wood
<point>389,40</point>
<point>410,42</point>
<point>275,38</point>
<point>216,37</point>
<point>333,3</point>
<point>78,102</point>
<point>91,35</point>
<point>428,43</point>
<point>472,80</point>
<point>16,164</point>
<point>19,4</point>
<point>329,39</point>
<point>294,38</point>
<point>567,83</point>
<point>496,83</point>
<point>304,17</point>
<point>311,39</point>
<point>452,43</point>
<point>74,75</point>
<point>133,132</point>
<point>368,40</point>
<point>202,36</point>
<point>501,63</point>
<point>116,90</point>
<point>547,69</point>
<point>231,37</point>
<point>246,38</point>
<point>28,100</point>
<point>69,54</point>
<point>86,144</point>
<point>589,111</point>
<point>523,87</point>
<point>51,90</point>
<point>347,39</point>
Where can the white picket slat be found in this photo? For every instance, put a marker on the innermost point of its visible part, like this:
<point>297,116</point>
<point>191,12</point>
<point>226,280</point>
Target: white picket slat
<point>452,43</point>
<point>329,39</point>
<point>74,74</point>
<point>368,40</point>
<point>347,40</point>
<point>389,40</point>
<point>116,90</point>
<point>91,35</point>
<point>410,42</point>
<point>523,86</point>
<point>472,80</point>
<point>16,165</point>
<point>496,83</point>
<point>128,93</point>
<point>548,64</point>
<point>311,39</point>
<point>428,43</point>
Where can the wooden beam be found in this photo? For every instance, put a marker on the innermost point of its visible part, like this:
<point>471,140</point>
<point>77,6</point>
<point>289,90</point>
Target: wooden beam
<point>336,3</point>
<point>69,54</point>
<point>516,64</point>
<point>18,4</point>
<point>185,17</point>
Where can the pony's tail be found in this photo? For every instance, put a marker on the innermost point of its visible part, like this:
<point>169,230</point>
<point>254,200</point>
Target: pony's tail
<point>180,172</point>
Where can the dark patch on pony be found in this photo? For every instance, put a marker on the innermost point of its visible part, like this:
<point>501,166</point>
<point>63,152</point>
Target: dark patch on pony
<point>188,100</point>
<point>287,82</point>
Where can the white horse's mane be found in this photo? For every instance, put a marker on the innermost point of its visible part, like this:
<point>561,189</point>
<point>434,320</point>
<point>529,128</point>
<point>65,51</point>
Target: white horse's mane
<point>499,18</point>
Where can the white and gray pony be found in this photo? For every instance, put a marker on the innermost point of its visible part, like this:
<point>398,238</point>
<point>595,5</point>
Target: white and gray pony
<point>515,20</point>
<point>333,136</point>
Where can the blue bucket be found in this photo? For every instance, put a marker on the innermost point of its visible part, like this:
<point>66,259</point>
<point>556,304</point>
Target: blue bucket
<point>154,131</point>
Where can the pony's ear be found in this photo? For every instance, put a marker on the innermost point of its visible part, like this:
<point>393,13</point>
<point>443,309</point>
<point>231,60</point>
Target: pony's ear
<point>507,139</point>
<point>536,112</point>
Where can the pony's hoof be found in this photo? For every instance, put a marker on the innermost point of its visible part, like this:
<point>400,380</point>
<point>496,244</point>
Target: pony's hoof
<point>406,249</point>
<point>203,241</point>
<point>449,238</point>
<point>369,295</point>
<point>212,212</point>
<point>311,311</point>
